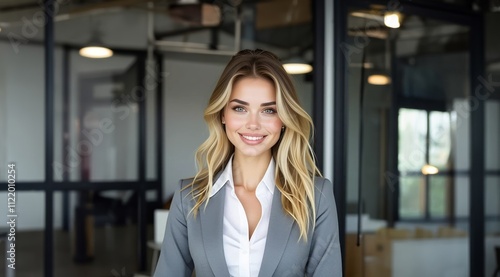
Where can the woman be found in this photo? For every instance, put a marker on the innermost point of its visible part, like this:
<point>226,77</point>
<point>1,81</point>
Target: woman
<point>256,207</point>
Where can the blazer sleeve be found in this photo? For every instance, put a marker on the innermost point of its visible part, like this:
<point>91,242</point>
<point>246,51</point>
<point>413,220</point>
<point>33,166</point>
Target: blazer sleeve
<point>175,258</point>
<point>325,258</point>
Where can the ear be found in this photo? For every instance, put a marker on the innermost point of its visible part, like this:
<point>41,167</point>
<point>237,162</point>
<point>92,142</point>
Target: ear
<point>223,119</point>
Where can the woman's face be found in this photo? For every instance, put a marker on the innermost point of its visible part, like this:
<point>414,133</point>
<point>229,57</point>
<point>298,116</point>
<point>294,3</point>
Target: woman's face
<point>251,119</point>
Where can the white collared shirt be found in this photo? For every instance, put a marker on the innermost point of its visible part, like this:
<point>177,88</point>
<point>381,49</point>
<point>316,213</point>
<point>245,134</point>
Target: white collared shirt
<point>243,256</point>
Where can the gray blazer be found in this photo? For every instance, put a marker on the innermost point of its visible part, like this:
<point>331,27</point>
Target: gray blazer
<point>196,243</point>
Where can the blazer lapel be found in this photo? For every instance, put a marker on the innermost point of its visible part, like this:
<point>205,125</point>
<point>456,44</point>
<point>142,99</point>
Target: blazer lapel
<point>280,226</point>
<point>211,227</point>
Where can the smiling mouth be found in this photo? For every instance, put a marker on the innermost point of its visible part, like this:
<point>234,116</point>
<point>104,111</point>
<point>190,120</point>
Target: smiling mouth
<point>252,138</point>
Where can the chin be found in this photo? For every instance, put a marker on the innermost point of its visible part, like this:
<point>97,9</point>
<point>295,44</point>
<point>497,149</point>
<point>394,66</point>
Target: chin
<point>252,153</point>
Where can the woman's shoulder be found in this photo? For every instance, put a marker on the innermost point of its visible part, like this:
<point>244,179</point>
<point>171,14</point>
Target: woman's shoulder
<point>185,186</point>
<point>183,193</point>
<point>185,182</point>
<point>322,185</point>
<point>320,182</point>
<point>323,193</point>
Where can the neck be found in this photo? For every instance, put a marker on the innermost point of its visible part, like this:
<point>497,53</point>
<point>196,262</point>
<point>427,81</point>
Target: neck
<point>249,171</point>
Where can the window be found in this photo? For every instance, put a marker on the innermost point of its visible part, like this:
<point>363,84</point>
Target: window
<point>424,164</point>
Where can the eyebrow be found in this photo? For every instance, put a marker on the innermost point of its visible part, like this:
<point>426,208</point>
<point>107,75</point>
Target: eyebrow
<point>247,104</point>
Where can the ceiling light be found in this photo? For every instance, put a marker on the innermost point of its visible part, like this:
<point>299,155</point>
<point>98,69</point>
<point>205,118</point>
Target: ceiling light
<point>392,19</point>
<point>96,52</point>
<point>95,49</point>
<point>379,79</point>
<point>297,65</point>
<point>297,68</point>
<point>429,169</point>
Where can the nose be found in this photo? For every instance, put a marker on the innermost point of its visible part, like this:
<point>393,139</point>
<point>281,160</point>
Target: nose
<point>253,122</point>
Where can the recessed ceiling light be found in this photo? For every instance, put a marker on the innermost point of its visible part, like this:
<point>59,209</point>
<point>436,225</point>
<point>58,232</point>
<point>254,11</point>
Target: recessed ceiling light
<point>379,79</point>
<point>392,19</point>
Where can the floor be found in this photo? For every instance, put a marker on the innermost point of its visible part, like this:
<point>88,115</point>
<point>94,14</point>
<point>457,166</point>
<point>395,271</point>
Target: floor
<point>114,248</point>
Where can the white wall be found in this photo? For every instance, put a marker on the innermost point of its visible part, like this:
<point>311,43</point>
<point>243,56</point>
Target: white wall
<point>187,89</point>
<point>24,108</point>
<point>22,135</point>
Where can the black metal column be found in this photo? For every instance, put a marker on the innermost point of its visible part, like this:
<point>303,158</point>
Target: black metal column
<point>159,129</point>
<point>141,191</point>
<point>476,181</point>
<point>65,134</point>
<point>340,120</point>
<point>49,138</point>
<point>319,80</point>
<point>391,188</point>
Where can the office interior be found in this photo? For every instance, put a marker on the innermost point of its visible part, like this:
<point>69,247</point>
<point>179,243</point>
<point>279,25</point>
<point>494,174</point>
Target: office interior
<point>404,96</point>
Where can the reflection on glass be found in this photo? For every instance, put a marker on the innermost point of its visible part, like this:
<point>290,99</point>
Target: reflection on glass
<point>379,79</point>
<point>492,135</point>
<point>492,152</point>
<point>427,61</point>
<point>492,222</point>
<point>440,139</point>
<point>411,197</point>
<point>429,169</point>
<point>412,139</point>
<point>391,19</point>
<point>437,196</point>
<point>492,200</point>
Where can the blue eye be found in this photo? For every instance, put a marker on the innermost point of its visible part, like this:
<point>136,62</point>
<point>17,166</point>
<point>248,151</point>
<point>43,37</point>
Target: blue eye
<point>270,111</point>
<point>239,109</point>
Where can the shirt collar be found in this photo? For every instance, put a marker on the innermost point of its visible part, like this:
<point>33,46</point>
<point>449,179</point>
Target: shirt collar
<point>226,177</point>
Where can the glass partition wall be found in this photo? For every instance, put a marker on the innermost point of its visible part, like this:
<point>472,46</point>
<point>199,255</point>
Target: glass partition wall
<point>492,150</point>
<point>104,181</point>
<point>408,144</point>
<point>107,158</point>
<point>22,147</point>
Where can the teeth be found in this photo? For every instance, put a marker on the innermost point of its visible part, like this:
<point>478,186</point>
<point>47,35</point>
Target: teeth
<point>252,138</point>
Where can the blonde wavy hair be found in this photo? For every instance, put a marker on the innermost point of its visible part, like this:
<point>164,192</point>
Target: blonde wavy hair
<point>293,154</point>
